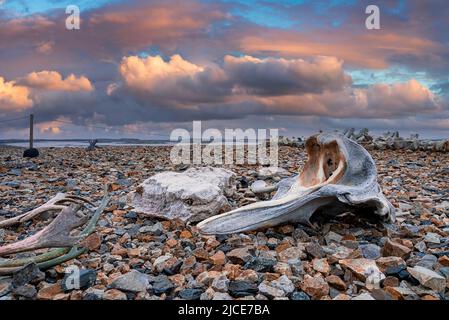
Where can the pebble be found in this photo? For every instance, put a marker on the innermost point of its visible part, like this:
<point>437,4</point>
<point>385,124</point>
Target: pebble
<point>431,237</point>
<point>361,268</point>
<point>160,262</point>
<point>133,281</point>
<point>27,291</point>
<point>332,237</point>
<point>49,291</point>
<point>156,229</point>
<point>428,261</point>
<point>190,294</point>
<point>239,255</point>
<point>114,294</point>
<point>299,296</point>
<point>291,255</point>
<point>220,284</point>
<point>315,250</point>
<point>321,265</point>
<point>242,288</point>
<point>27,274</point>
<point>5,286</point>
<point>387,262</point>
<point>93,294</point>
<point>336,282</point>
<point>316,287</point>
<point>162,285</point>
<point>444,261</point>
<point>400,293</point>
<point>371,251</point>
<point>221,296</point>
<point>428,278</point>
<point>271,292</point>
<point>283,283</point>
<point>219,258</point>
<point>395,249</point>
<point>390,281</point>
<point>261,264</point>
<point>363,296</point>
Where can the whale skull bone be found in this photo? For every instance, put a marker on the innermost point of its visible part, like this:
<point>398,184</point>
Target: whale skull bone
<point>339,175</point>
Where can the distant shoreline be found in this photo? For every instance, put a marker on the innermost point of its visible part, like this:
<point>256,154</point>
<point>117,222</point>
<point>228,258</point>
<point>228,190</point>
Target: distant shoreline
<point>82,143</point>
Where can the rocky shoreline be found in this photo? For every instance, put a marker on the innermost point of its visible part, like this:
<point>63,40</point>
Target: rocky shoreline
<point>139,257</point>
<point>387,141</point>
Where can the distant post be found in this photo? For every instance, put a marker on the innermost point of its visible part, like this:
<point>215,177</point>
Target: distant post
<point>31,152</point>
<point>31,130</point>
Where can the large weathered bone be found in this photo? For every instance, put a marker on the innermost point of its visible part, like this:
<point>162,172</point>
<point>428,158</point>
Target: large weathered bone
<point>340,175</point>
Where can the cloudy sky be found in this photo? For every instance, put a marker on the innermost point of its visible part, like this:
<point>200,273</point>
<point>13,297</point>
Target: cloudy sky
<point>143,68</point>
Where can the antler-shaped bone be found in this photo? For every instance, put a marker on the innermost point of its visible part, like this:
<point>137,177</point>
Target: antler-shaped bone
<point>56,203</point>
<point>55,235</point>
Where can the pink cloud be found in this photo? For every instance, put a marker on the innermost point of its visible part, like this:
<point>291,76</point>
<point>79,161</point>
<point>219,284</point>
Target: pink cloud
<point>277,76</point>
<point>14,97</point>
<point>52,80</point>
<point>363,49</point>
<point>177,81</point>
<point>318,87</point>
<point>381,101</point>
<point>181,80</point>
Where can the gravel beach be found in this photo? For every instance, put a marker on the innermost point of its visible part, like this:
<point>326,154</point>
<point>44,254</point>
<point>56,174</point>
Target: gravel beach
<point>138,257</point>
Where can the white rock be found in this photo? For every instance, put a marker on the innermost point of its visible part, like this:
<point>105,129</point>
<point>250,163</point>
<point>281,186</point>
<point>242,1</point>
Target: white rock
<point>192,195</point>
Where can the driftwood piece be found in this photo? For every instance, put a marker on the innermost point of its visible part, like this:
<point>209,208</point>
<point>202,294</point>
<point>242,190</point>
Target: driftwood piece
<point>92,145</point>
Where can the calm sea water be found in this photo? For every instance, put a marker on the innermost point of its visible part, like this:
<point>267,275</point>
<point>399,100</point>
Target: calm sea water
<point>83,144</point>
<point>65,144</point>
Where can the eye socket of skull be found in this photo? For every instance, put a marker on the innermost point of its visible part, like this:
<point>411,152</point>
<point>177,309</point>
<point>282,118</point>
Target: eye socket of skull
<point>326,164</point>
